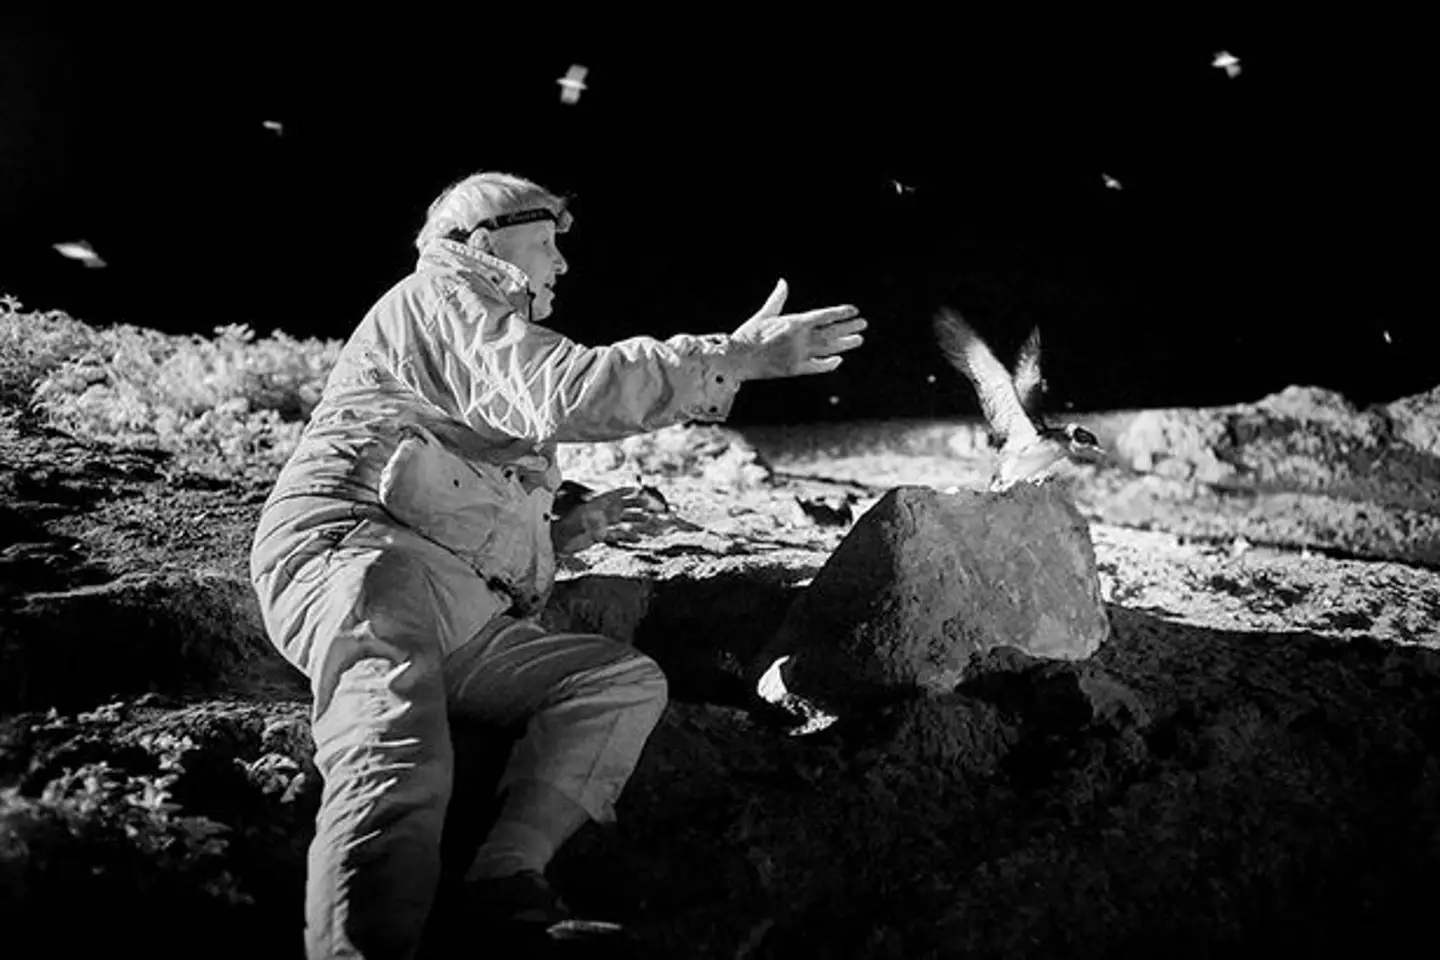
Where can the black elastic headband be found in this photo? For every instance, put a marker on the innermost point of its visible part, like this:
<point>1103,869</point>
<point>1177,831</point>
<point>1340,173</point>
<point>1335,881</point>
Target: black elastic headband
<point>513,219</point>
<point>524,216</point>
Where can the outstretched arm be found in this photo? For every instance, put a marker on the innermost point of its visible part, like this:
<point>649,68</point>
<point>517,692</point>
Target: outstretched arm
<point>529,381</point>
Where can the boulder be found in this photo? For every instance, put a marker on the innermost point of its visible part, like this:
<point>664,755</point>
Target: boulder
<point>925,582</point>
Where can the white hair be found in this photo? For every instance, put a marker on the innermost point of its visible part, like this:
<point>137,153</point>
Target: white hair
<point>480,196</point>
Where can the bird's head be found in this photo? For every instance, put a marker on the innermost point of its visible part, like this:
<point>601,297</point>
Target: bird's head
<point>1082,445</point>
<point>1078,443</point>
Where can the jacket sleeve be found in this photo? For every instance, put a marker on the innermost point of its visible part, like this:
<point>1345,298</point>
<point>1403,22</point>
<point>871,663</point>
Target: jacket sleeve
<point>529,381</point>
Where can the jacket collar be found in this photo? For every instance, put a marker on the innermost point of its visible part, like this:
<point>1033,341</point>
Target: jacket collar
<point>511,282</point>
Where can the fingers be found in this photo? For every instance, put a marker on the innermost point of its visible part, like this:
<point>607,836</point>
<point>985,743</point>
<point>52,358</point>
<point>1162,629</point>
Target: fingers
<point>776,302</point>
<point>824,365</point>
<point>631,518</point>
<point>610,516</point>
<point>831,341</point>
<point>611,500</point>
<point>818,318</point>
<point>844,328</point>
<point>837,338</point>
<point>622,505</point>
<point>838,346</point>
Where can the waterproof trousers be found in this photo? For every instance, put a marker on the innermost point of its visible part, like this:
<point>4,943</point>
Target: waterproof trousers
<point>395,634</point>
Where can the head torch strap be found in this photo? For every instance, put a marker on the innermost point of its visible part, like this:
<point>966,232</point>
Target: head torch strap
<point>523,216</point>
<point>561,219</point>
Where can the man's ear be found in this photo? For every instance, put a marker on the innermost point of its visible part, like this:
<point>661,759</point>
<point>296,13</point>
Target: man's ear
<point>481,239</point>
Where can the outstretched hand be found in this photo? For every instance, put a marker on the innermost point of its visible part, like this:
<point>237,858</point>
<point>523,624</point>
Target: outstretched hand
<point>797,344</point>
<point>604,518</point>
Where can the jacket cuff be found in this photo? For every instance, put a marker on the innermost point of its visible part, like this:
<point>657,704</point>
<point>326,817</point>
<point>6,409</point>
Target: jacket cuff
<point>718,366</point>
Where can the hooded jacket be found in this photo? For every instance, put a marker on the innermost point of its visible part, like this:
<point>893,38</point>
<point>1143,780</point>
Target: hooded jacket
<point>446,404</point>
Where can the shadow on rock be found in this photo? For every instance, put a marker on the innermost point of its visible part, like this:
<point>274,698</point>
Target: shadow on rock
<point>703,631</point>
<point>1184,792</point>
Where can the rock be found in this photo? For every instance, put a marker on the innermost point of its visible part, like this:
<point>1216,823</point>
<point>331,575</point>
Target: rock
<point>1176,444</point>
<point>1417,420</point>
<point>1313,405</point>
<point>925,581</point>
<point>1301,439</point>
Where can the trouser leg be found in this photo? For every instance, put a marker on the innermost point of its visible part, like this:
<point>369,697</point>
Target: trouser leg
<point>383,750</point>
<point>588,704</point>
<point>358,610</point>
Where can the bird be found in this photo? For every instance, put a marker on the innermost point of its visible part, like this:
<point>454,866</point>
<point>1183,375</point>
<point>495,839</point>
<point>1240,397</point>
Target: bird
<point>82,251</point>
<point>901,188</point>
<point>1228,62</point>
<point>572,83</point>
<point>1030,450</point>
<point>274,126</point>
<point>829,511</point>
<point>1111,182</point>
<point>1030,384</point>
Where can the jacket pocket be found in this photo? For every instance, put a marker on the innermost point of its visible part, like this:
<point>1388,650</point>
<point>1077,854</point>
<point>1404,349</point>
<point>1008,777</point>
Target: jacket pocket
<point>477,511</point>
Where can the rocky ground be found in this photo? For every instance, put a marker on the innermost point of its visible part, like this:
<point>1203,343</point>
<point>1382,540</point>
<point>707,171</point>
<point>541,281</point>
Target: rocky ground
<point>1250,763</point>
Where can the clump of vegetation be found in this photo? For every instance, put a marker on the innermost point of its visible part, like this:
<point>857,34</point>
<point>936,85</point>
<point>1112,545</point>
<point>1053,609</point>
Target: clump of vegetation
<point>112,837</point>
<point>231,404</point>
<point>112,822</point>
<point>33,344</point>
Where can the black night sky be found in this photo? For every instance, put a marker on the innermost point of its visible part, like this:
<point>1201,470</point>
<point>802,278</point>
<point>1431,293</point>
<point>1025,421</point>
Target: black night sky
<point>1268,228</point>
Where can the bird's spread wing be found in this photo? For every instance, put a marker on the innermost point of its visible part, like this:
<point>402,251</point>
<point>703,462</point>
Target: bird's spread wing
<point>577,73</point>
<point>969,354</point>
<point>1028,384</point>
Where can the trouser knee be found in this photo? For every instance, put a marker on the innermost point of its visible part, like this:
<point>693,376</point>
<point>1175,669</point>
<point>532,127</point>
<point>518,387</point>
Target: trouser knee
<point>589,737</point>
<point>651,683</point>
<point>636,688</point>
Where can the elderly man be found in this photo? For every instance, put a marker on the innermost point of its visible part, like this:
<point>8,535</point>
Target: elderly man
<point>409,544</point>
